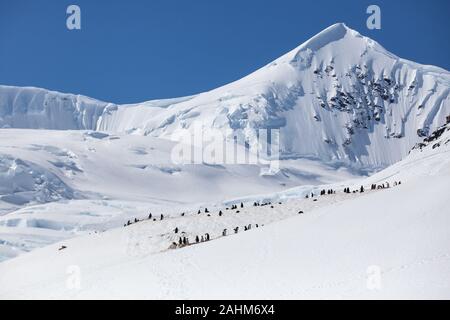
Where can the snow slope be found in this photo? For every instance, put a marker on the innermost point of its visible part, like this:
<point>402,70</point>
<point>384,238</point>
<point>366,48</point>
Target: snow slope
<point>355,101</point>
<point>59,184</point>
<point>352,99</point>
<point>397,236</point>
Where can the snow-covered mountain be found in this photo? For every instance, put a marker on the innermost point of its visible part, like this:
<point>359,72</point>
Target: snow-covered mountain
<point>338,96</point>
<point>79,177</point>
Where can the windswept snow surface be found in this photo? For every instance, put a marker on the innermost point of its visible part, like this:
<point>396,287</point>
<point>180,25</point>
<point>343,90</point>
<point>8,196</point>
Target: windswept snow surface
<point>388,243</point>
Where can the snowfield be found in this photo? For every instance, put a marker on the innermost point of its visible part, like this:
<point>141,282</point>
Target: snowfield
<point>93,205</point>
<point>328,252</point>
<point>60,184</point>
<point>333,249</point>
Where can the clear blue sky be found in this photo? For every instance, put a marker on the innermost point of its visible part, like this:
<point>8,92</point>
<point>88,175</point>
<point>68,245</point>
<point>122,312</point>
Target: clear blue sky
<point>131,51</point>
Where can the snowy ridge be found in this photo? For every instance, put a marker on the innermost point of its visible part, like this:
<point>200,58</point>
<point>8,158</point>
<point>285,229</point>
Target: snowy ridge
<point>34,108</point>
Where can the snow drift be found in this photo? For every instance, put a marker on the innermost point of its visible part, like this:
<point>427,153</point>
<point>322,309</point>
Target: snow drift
<point>22,182</point>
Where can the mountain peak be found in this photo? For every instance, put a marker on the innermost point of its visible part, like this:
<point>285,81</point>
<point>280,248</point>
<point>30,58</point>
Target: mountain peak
<point>333,33</point>
<point>339,26</point>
